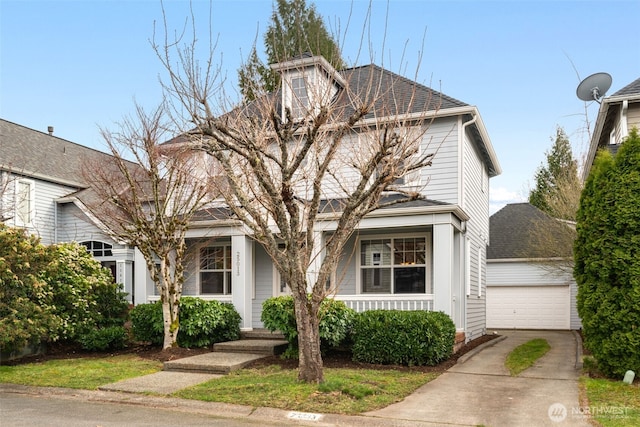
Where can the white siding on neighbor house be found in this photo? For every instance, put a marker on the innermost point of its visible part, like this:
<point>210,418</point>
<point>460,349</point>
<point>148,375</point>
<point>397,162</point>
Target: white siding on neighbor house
<point>475,202</point>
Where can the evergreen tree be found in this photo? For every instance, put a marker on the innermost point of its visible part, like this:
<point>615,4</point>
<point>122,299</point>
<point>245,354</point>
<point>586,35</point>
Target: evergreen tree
<point>558,188</point>
<point>607,259</point>
<point>295,28</point>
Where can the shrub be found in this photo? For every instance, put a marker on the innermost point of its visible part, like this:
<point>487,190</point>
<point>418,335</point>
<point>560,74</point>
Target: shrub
<point>22,320</point>
<point>607,259</point>
<point>336,321</point>
<point>82,294</point>
<point>202,323</point>
<point>108,338</point>
<point>50,293</point>
<point>403,337</point>
<point>146,323</point>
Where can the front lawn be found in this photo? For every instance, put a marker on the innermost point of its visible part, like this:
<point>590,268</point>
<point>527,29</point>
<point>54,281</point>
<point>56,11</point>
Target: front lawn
<point>612,403</point>
<point>345,391</point>
<point>83,373</point>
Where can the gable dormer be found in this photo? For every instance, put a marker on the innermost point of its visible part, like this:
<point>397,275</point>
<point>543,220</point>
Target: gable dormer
<point>308,82</point>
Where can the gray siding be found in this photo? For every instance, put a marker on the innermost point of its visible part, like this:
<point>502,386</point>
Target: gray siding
<point>345,274</point>
<point>44,215</point>
<point>263,270</point>
<point>475,201</point>
<point>74,225</point>
<point>442,177</point>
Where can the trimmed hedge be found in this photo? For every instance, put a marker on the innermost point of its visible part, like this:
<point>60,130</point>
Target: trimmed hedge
<point>336,322</point>
<point>202,323</point>
<point>403,337</point>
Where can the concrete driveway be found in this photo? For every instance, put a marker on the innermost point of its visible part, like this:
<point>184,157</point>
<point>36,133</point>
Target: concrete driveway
<point>480,390</point>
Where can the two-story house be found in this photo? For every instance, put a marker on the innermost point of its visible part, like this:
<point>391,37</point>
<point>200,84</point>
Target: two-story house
<point>40,178</point>
<point>428,254</point>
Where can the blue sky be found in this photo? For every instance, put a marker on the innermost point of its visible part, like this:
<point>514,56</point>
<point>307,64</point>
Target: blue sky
<point>78,65</point>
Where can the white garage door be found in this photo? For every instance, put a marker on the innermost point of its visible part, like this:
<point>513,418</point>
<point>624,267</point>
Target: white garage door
<point>528,307</point>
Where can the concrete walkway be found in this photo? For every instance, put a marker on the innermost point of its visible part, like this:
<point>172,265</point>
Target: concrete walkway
<point>480,390</point>
<point>189,371</point>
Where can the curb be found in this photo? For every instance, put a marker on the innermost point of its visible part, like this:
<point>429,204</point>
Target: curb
<point>479,348</point>
<point>260,415</point>
<point>578,339</point>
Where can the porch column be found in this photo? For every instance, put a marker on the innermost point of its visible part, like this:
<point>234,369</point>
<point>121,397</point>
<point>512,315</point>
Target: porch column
<point>316,259</point>
<point>443,261</point>
<point>242,278</point>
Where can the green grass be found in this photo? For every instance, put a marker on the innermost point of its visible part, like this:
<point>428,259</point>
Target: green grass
<point>83,373</point>
<point>525,355</point>
<point>612,403</point>
<point>345,391</point>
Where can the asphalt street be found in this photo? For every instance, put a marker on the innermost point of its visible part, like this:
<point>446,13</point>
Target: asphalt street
<point>18,410</point>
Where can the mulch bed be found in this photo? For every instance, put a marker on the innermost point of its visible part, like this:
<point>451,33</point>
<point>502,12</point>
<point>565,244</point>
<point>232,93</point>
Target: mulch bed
<point>334,359</point>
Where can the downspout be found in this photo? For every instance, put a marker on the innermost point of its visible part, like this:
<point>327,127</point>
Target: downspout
<point>462,136</point>
<point>624,132</point>
<point>465,242</point>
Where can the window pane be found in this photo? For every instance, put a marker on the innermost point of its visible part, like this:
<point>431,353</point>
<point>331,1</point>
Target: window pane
<point>375,252</point>
<point>229,290</point>
<point>409,280</point>
<point>212,282</point>
<point>227,258</point>
<point>376,280</point>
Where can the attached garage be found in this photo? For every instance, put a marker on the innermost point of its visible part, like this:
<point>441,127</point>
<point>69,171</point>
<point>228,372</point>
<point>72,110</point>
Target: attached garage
<point>528,307</point>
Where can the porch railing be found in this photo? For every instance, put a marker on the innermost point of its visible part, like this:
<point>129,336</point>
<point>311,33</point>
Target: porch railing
<point>361,303</point>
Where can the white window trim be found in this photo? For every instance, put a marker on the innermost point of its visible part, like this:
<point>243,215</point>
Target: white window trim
<point>428,262</point>
<point>224,270</point>
<point>18,220</point>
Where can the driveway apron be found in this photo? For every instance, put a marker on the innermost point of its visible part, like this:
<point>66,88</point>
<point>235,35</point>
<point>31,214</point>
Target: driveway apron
<point>480,391</point>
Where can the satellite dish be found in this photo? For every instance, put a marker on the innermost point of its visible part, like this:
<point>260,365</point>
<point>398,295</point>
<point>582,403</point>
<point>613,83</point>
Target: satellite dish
<point>594,87</point>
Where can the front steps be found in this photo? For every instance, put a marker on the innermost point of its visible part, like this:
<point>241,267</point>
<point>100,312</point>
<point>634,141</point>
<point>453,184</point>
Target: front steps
<point>231,355</point>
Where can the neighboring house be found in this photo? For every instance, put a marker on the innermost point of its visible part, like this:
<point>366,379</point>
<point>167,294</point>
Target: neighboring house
<point>40,177</point>
<point>529,277</point>
<point>428,254</point>
<point>618,114</point>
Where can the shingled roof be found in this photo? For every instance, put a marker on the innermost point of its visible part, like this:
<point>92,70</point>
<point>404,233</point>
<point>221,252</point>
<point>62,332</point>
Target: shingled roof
<point>37,154</point>
<point>632,88</point>
<point>512,230</point>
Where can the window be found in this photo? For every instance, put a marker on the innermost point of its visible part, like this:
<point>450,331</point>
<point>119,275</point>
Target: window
<point>394,265</point>
<point>24,202</point>
<point>215,270</point>
<point>98,249</point>
<point>300,97</point>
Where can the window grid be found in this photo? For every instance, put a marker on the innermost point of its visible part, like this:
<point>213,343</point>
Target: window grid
<point>393,265</point>
<point>215,270</point>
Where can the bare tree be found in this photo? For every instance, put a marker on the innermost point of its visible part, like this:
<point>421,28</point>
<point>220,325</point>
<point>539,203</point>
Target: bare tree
<point>149,202</point>
<point>302,177</point>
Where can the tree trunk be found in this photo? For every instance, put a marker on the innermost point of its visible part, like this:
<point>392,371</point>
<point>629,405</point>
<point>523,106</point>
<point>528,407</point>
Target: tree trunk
<point>171,325</point>
<point>310,357</point>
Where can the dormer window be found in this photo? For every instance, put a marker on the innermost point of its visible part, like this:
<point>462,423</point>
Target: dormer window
<point>308,83</point>
<point>300,101</point>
